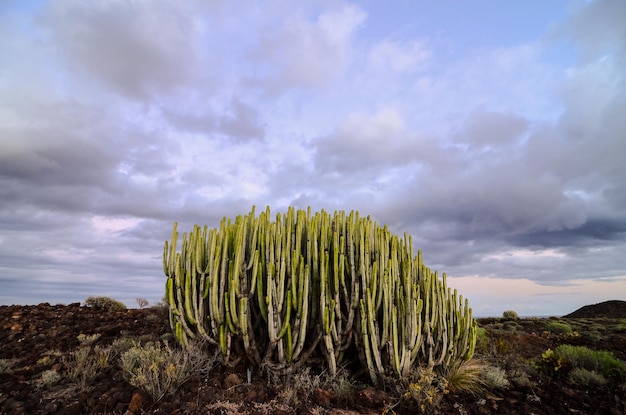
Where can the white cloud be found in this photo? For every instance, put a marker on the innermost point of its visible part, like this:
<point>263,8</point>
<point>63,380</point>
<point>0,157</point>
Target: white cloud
<point>128,115</point>
<point>305,53</point>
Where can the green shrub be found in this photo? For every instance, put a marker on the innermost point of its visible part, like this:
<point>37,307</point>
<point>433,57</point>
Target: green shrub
<point>567,357</point>
<point>556,327</point>
<point>482,341</point>
<point>510,314</point>
<point>586,378</point>
<point>105,304</point>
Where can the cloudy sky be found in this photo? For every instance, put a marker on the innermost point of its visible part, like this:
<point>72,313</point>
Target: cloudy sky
<point>491,131</point>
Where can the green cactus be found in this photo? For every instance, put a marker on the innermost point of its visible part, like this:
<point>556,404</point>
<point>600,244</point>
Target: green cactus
<point>280,291</point>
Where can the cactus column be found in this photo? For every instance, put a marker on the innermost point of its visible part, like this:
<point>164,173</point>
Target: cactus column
<point>279,291</point>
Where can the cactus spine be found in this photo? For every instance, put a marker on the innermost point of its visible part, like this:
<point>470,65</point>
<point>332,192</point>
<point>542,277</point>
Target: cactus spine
<point>308,284</point>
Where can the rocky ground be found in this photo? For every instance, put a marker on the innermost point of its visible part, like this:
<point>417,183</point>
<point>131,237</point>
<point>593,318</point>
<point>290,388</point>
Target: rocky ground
<point>36,340</point>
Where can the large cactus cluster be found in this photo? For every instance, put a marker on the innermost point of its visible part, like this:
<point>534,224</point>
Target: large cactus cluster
<point>278,291</point>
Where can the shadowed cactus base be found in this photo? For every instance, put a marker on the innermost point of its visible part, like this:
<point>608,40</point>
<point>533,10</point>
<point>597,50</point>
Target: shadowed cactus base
<point>278,290</point>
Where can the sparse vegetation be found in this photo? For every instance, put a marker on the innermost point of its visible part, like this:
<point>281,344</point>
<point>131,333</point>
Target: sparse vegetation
<point>566,358</point>
<point>586,378</point>
<point>142,302</point>
<point>557,327</point>
<point>423,390</point>
<point>494,377</point>
<point>49,378</point>
<point>160,369</point>
<point>510,314</point>
<point>105,304</point>
<point>84,364</point>
<point>466,376</point>
<point>508,366</point>
<point>6,366</point>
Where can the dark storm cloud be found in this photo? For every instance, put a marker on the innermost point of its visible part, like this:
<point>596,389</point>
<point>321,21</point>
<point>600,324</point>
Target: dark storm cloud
<point>591,233</point>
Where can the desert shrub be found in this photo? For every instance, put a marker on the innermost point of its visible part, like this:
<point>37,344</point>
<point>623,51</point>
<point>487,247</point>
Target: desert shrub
<point>85,363</point>
<point>494,377</point>
<point>86,340</point>
<point>49,378</point>
<point>6,366</point>
<point>465,376</point>
<point>343,386</point>
<point>586,378</point>
<point>300,385</point>
<point>121,345</point>
<point>510,314</point>
<point>556,327</point>
<point>142,302</point>
<point>482,341</point>
<point>105,304</point>
<point>592,336</point>
<point>424,390</point>
<point>505,344</point>
<point>568,358</point>
<point>82,367</point>
<point>519,377</point>
<point>621,326</point>
<point>510,325</point>
<point>159,369</point>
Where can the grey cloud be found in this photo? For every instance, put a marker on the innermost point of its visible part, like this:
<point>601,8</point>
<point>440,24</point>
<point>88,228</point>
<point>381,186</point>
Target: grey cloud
<point>141,51</point>
<point>484,128</point>
<point>362,143</point>
<point>584,23</point>
<point>238,121</point>
<point>588,234</point>
<point>303,53</point>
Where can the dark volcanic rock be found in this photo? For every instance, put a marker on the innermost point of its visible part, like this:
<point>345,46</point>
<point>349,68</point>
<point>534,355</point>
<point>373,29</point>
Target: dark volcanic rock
<point>37,339</point>
<point>607,309</point>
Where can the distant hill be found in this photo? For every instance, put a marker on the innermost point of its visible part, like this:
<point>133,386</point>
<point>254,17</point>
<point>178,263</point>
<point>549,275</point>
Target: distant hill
<point>608,309</point>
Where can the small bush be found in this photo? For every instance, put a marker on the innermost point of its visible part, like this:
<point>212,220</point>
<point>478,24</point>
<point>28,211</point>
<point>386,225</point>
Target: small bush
<point>142,302</point>
<point>86,363</point>
<point>87,340</point>
<point>81,369</point>
<point>519,377</point>
<point>466,376</point>
<point>105,304</point>
<point>586,378</point>
<point>160,370</point>
<point>568,358</point>
<point>556,327</point>
<point>49,378</point>
<point>482,341</point>
<point>510,314</point>
<point>494,377</point>
<point>425,389</point>
<point>6,366</point>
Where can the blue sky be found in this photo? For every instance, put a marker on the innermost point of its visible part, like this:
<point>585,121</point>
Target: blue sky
<point>491,131</point>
